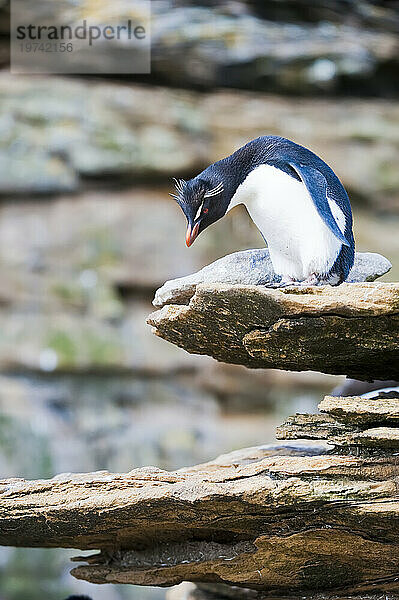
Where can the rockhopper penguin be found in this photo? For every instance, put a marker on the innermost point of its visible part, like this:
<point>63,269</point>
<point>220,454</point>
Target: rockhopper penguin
<point>294,198</point>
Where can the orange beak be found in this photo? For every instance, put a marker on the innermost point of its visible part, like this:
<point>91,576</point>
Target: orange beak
<point>191,234</point>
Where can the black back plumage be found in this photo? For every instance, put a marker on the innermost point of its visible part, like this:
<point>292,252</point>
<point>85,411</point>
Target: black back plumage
<point>281,153</point>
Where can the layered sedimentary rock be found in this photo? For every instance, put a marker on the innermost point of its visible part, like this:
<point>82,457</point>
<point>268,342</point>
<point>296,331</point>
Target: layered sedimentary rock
<point>267,521</point>
<point>349,423</point>
<point>287,47</point>
<point>352,329</point>
<point>124,133</point>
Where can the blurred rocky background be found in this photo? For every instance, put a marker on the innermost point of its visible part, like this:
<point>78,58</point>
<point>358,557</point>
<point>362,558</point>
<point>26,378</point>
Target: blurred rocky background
<point>88,232</point>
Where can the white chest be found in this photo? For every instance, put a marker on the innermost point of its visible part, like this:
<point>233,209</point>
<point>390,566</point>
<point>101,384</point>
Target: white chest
<point>299,241</point>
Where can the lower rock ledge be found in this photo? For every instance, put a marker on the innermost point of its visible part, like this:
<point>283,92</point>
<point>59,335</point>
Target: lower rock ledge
<point>276,520</point>
<point>327,557</point>
<point>219,591</point>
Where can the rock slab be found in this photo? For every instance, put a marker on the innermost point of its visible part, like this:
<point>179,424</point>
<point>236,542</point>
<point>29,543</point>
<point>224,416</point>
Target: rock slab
<point>356,410</point>
<point>350,423</point>
<point>279,520</point>
<point>287,520</point>
<point>352,329</point>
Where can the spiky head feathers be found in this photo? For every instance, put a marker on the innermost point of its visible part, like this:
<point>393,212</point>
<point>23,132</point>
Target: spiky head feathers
<point>201,200</point>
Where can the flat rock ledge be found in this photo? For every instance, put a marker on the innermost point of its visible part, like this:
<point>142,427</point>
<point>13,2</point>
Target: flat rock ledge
<point>289,520</point>
<point>349,423</point>
<point>352,329</point>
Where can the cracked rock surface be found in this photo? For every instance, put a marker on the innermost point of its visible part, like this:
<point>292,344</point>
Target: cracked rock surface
<point>352,329</point>
<point>350,423</point>
<point>316,518</point>
<point>275,519</point>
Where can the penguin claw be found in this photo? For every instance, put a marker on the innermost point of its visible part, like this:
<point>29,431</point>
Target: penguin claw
<point>286,284</point>
<point>283,284</point>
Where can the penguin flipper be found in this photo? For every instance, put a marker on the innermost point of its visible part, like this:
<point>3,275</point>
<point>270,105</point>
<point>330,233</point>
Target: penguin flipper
<point>317,187</point>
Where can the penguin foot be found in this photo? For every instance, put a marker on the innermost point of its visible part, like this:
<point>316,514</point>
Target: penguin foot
<point>279,285</point>
<point>284,282</point>
<point>312,280</point>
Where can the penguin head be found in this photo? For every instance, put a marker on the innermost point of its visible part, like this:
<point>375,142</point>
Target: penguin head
<point>203,201</point>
